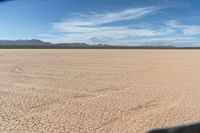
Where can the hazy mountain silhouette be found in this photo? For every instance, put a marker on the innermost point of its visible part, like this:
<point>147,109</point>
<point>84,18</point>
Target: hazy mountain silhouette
<point>34,43</point>
<point>23,42</point>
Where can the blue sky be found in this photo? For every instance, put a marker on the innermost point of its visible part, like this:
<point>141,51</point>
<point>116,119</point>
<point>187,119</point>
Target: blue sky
<point>118,22</point>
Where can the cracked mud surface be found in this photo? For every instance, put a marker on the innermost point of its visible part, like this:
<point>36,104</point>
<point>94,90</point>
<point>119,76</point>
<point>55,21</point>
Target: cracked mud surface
<point>97,91</point>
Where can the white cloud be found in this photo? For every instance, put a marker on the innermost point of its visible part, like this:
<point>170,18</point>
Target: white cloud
<point>90,25</point>
<point>167,40</point>
<point>89,22</point>
<point>173,24</point>
<point>107,35</point>
<point>185,29</point>
<point>94,28</point>
<point>151,40</point>
<point>192,30</point>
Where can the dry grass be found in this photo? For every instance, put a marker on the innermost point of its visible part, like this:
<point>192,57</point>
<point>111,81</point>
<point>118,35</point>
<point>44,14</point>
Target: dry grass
<point>97,91</point>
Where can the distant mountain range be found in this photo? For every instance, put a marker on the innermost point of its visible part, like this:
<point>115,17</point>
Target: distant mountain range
<point>23,42</point>
<point>34,43</point>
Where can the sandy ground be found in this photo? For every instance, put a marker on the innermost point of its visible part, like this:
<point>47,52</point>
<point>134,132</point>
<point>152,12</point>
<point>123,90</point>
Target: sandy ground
<point>97,91</point>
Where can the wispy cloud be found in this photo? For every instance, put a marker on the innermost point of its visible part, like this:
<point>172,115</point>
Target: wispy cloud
<point>194,30</point>
<point>89,22</point>
<point>185,29</point>
<point>96,28</point>
<point>168,40</point>
<point>111,35</point>
<point>91,25</point>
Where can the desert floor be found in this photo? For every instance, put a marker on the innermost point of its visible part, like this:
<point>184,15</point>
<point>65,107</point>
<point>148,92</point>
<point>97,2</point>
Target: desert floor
<point>98,91</point>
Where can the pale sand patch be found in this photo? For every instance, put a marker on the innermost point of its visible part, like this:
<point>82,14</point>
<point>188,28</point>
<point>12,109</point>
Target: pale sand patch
<point>98,91</point>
